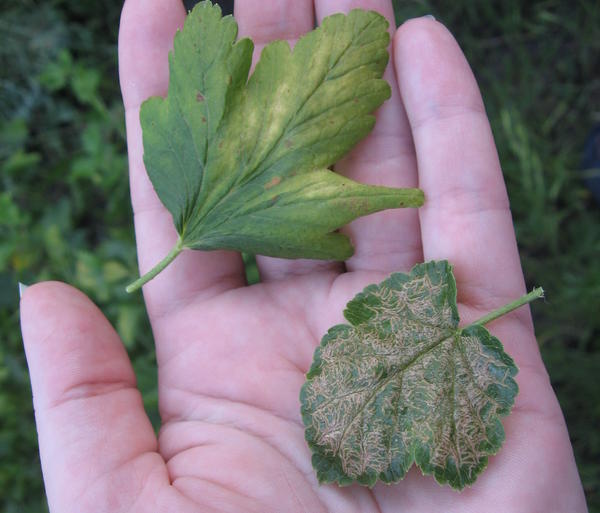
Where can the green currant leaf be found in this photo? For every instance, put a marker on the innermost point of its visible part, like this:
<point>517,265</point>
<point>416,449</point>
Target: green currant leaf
<point>403,384</point>
<point>243,164</point>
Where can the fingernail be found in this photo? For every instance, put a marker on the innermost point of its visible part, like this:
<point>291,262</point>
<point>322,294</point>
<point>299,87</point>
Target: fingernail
<point>22,288</point>
<point>430,17</point>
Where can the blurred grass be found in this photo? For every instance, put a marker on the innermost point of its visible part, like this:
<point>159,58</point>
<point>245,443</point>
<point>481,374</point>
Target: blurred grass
<point>65,214</point>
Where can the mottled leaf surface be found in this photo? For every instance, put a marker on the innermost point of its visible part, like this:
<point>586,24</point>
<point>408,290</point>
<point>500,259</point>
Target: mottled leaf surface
<point>402,384</point>
<point>244,163</point>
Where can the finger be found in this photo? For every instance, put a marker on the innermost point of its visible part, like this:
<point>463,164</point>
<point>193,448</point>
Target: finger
<point>97,445</point>
<point>466,218</point>
<point>266,21</point>
<point>145,39</point>
<point>390,240</point>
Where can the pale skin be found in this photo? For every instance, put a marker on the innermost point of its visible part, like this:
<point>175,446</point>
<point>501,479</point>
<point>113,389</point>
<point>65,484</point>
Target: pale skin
<point>232,358</point>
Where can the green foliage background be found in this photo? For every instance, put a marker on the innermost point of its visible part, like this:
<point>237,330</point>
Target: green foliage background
<point>64,199</point>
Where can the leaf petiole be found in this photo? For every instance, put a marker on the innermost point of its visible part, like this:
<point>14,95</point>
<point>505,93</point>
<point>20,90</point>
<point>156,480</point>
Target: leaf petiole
<point>536,293</point>
<point>141,281</point>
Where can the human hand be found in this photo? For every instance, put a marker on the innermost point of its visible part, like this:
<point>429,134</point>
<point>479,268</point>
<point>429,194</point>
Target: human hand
<point>232,359</point>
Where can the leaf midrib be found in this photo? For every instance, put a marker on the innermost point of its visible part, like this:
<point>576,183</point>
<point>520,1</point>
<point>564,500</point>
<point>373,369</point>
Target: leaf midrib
<point>203,161</point>
<point>284,131</point>
<point>392,376</point>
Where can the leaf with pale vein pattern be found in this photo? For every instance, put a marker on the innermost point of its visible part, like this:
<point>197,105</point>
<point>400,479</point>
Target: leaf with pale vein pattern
<point>402,384</point>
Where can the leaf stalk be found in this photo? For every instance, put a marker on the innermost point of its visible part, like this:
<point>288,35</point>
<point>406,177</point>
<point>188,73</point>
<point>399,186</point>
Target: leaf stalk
<point>140,282</point>
<point>536,293</point>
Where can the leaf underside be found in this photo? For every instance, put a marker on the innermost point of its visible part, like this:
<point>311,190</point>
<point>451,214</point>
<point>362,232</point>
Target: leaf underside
<point>402,384</point>
<point>243,163</point>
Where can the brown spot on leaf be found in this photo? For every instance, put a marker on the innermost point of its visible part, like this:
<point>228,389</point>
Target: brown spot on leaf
<point>203,119</point>
<point>199,97</point>
<point>288,143</point>
<point>273,182</point>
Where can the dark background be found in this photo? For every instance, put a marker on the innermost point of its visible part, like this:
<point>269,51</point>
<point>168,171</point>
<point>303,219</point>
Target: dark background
<point>65,212</point>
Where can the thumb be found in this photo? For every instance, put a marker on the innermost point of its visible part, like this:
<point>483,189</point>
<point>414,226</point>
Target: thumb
<point>97,446</point>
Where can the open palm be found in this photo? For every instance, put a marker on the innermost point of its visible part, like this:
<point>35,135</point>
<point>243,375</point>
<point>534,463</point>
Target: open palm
<point>232,358</point>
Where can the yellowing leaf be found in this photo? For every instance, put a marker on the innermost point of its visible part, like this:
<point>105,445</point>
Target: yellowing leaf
<point>402,384</point>
<point>243,164</point>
